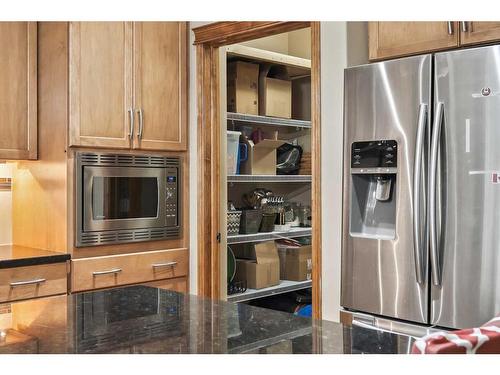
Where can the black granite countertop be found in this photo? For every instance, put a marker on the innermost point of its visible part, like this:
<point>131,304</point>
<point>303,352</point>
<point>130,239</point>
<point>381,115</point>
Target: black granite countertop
<point>21,256</point>
<point>142,319</point>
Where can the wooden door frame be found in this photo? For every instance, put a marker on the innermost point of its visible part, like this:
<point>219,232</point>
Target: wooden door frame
<point>208,39</point>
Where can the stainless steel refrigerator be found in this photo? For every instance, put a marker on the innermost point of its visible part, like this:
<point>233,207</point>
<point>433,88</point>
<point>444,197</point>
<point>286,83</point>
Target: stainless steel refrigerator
<point>421,204</point>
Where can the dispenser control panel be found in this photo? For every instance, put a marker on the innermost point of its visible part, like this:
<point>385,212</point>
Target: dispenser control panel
<point>374,154</point>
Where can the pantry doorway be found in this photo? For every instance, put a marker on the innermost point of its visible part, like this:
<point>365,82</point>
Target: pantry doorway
<point>213,44</point>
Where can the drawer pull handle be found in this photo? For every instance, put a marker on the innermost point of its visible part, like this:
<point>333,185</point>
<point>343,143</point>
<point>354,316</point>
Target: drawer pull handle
<point>168,264</point>
<point>27,282</point>
<point>114,270</point>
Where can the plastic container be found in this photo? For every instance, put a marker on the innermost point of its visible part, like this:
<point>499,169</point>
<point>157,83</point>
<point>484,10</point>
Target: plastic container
<point>267,224</point>
<point>233,142</point>
<point>250,221</point>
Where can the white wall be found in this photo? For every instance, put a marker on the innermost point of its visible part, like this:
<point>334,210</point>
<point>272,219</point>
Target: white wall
<point>5,217</point>
<point>343,44</point>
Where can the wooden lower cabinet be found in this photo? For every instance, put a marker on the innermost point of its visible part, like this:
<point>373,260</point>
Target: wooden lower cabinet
<point>479,32</point>
<point>33,281</point>
<point>116,270</point>
<point>177,285</point>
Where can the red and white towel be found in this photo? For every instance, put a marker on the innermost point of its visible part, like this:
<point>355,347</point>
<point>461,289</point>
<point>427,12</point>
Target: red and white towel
<point>482,340</point>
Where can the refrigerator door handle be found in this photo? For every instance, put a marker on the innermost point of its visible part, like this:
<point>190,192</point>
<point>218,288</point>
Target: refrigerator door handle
<point>417,185</point>
<point>434,241</point>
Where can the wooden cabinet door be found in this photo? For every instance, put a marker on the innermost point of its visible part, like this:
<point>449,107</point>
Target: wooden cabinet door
<point>100,84</point>
<point>479,32</point>
<point>160,82</point>
<point>18,90</point>
<point>393,39</point>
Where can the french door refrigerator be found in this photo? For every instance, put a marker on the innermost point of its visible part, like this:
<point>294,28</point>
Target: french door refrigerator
<point>421,204</point>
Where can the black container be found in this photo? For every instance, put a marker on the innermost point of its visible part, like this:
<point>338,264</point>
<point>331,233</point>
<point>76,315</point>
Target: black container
<point>250,221</point>
<point>267,224</point>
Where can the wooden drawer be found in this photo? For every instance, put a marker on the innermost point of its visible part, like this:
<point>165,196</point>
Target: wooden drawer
<point>177,285</point>
<point>114,270</point>
<point>21,282</point>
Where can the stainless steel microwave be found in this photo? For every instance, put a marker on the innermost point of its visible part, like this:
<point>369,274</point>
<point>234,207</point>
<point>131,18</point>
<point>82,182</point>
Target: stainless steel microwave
<point>126,198</point>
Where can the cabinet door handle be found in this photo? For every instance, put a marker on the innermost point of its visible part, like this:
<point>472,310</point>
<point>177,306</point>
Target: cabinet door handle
<point>465,26</point>
<point>27,282</point>
<point>131,118</point>
<point>167,264</point>
<point>141,123</point>
<point>107,272</point>
<point>450,27</point>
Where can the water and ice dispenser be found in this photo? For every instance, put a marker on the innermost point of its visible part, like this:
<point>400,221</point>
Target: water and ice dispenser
<point>373,189</point>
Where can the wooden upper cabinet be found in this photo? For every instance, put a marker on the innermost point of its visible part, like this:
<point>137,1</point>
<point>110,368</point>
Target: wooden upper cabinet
<point>160,82</point>
<point>394,39</point>
<point>100,84</point>
<point>128,85</point>
<point>18,90</point>
<point>479,32</point>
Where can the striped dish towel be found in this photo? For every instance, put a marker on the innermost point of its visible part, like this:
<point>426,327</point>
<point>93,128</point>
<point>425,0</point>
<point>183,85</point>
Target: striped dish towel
<point>482,340</point>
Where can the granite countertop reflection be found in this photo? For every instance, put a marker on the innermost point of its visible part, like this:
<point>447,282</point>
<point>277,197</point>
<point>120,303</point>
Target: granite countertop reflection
<point>140,319</point>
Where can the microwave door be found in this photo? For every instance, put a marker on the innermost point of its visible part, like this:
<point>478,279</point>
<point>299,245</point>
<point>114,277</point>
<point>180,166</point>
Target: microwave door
<point>116,198</point>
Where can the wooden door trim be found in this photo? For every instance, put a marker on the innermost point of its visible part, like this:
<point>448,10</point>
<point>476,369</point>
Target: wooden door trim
<point>208,39</point>
<point>223,33</point>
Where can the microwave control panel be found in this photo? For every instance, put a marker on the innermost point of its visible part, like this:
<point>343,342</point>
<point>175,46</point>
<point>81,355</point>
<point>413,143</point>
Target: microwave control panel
<point>172,184</point>
<point>374,154</point>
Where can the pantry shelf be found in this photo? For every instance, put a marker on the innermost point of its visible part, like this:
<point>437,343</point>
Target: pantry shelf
<point>298,66</point>
<point>266,120</point>
<point>284,286</point>
<point>268,236</point>
<point>268,178</point>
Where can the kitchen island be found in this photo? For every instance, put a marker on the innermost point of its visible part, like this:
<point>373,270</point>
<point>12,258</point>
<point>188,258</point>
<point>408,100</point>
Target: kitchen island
<point>141,319</point>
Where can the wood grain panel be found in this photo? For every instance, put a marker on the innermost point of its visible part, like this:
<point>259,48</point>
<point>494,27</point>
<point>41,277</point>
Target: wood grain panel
<point>135,268</point>
<point>18,90</point>
<point>55,276</point>
<point>161,88</point>
<point>39,188</point>
<point>480,32</point>
<point>100,86</point>
<point>393,39</point>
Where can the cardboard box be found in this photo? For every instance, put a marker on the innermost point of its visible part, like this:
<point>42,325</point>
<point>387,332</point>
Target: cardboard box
<point>261,157</point>
<point>275,93</point>
<point>295,262</point>
<point>262,272</point>
<point>242,87</point>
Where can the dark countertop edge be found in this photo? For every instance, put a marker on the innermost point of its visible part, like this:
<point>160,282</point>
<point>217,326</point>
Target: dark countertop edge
<point>34,261</point>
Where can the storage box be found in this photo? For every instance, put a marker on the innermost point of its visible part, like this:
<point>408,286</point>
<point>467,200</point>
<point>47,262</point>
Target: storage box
<point>275,93</point>
<point>262,272</point>
<point>295,262</point>
<point>242,87</point>
<point>261,157</point>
